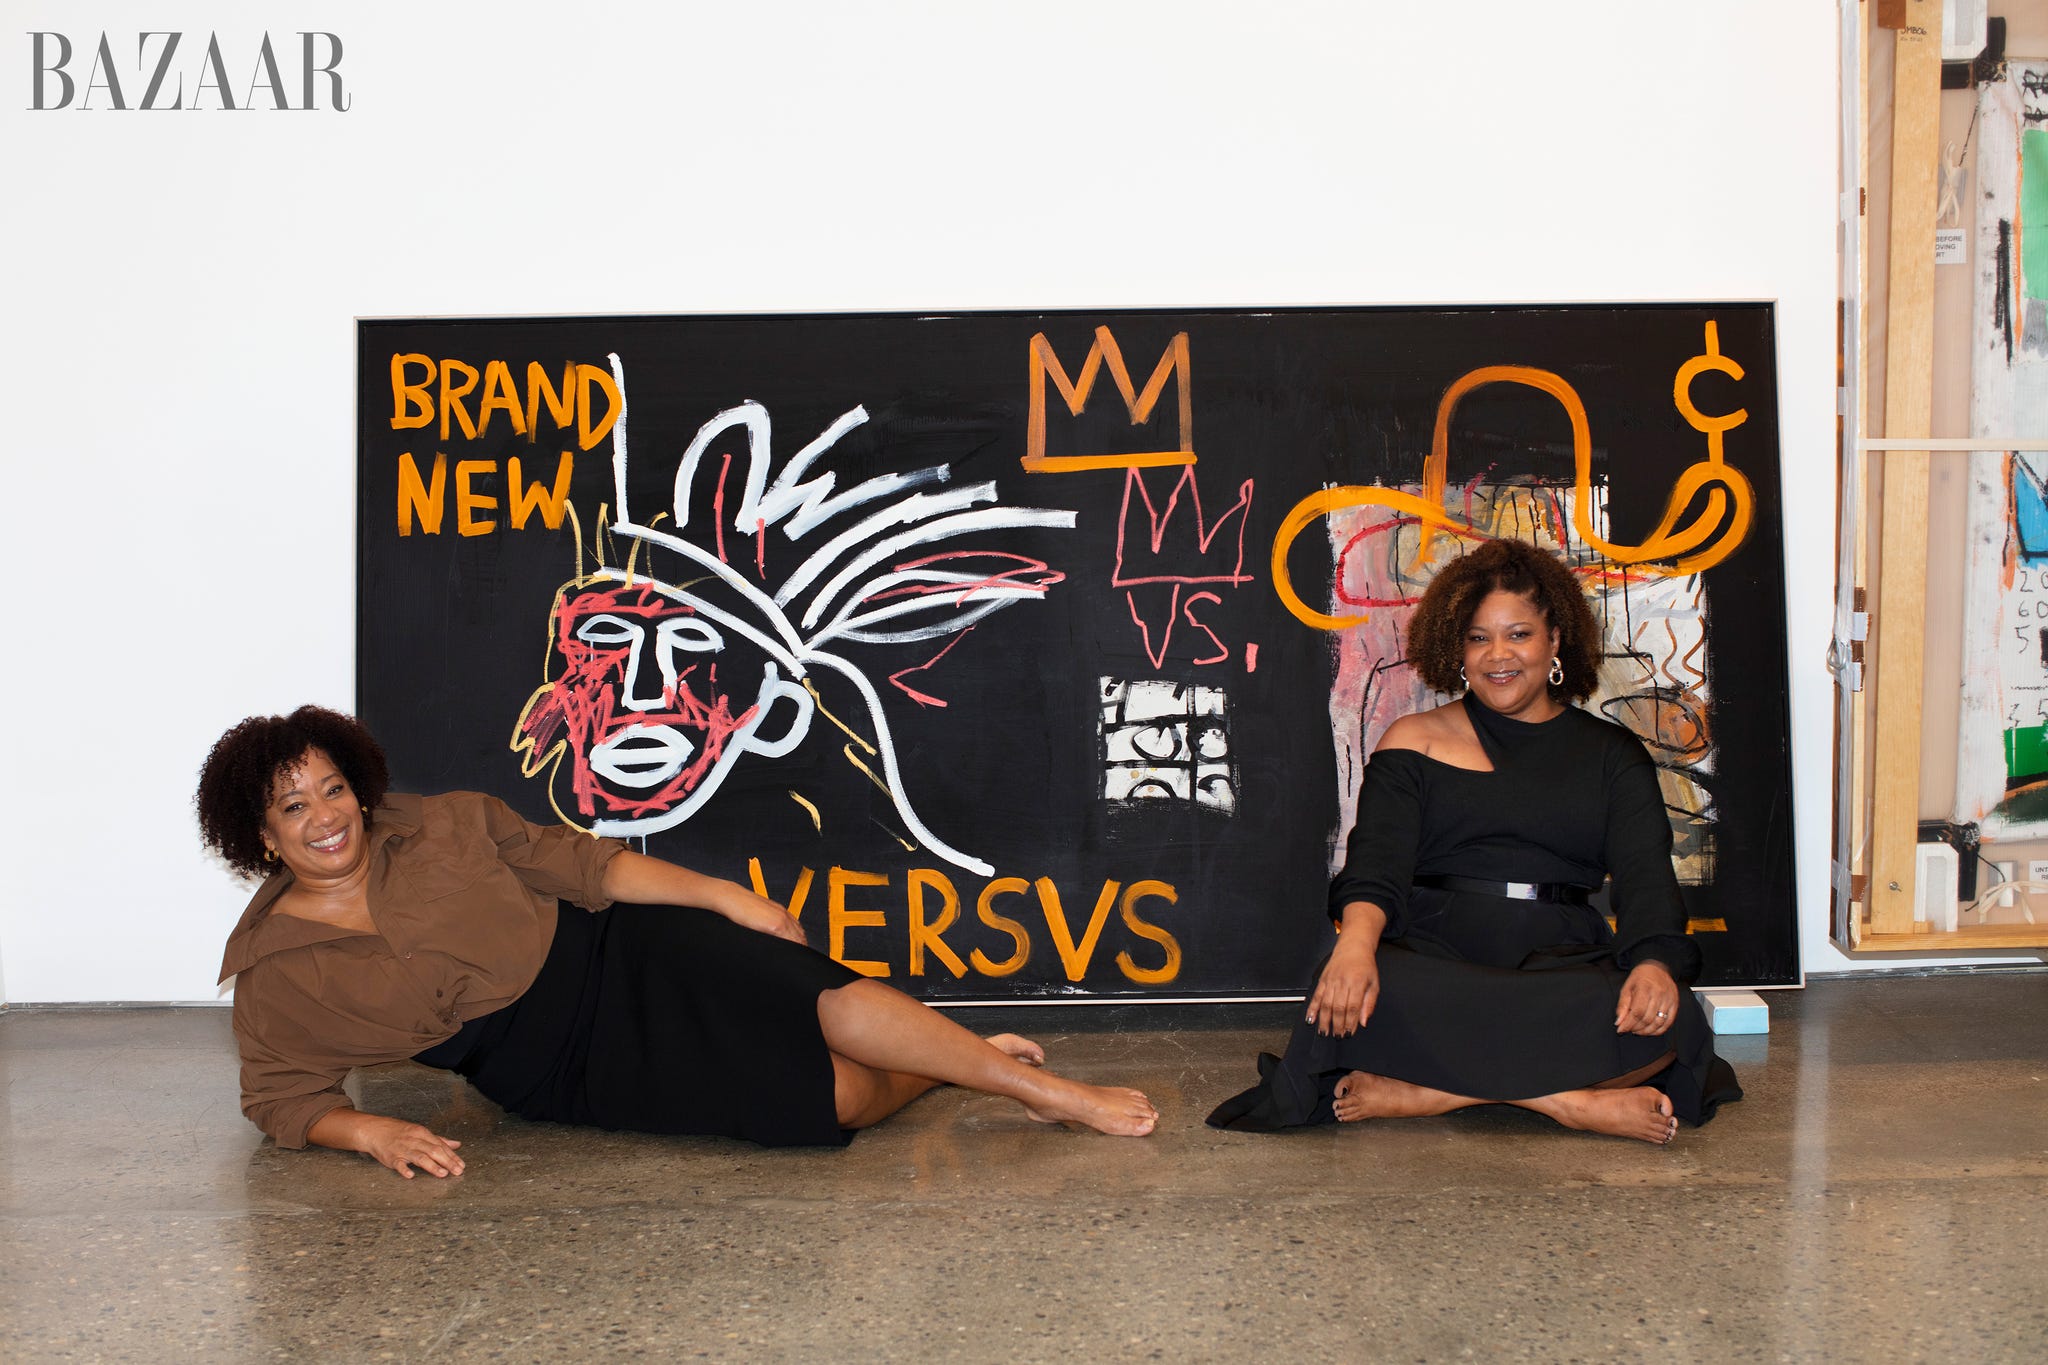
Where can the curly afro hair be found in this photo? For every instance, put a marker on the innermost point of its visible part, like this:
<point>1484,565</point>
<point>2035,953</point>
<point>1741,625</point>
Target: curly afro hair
<point>243,768</point>
<point>1436,633</point>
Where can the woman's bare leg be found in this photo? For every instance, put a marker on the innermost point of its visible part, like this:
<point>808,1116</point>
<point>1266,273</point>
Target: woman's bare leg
<point>1022,1049</point>
<point>884,1031</point>
<point>863,1095</point>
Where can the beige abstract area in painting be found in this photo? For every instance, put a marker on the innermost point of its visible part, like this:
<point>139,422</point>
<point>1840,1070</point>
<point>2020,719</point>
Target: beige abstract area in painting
<point>2004,702</point>
<point>1654,680</point>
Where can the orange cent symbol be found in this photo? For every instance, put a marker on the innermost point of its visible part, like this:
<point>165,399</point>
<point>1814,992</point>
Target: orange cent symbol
<point>1045,364</point>
<point>1724,523</point>
<point>1711,536</point>
<point>1681,393</point>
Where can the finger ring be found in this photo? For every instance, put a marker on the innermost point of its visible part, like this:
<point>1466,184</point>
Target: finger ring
<point>1660,1014</point>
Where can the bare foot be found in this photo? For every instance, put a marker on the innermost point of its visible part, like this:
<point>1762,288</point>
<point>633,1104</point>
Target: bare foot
<point>1641,1113</point>
<point>1105,1108</point>
<point>1355,1098</point>
<point>1362,1095</point>
<point>1019,1049</point>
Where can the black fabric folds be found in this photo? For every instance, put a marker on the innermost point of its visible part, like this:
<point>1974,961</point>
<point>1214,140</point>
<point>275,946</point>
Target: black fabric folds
<point>1497,1025</point>
<point>1495,998</point>
<point>661,1019</point>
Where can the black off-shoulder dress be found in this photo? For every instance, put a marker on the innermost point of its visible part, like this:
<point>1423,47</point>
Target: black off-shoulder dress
<point>1495,998</point>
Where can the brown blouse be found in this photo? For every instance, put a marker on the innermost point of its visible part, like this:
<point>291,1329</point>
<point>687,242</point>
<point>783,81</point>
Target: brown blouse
<point>462,891</point>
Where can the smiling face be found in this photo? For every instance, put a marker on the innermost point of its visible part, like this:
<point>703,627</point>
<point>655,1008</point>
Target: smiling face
<point>1508,649</point>
<point>313,822</point>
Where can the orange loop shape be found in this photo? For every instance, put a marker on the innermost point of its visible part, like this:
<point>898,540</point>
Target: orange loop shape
<point>1721,525</point>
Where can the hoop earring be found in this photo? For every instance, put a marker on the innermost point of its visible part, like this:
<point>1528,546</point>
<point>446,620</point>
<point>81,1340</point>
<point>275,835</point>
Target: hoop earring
<point>1462,681</point>
<point>1556,671</point>
<point>269,855</point>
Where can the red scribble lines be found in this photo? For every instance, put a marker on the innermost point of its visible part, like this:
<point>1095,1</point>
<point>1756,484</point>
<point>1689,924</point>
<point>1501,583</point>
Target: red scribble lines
<point>1471,496</point>
<point>1157,656</point>
<point>1032,575</point>
<point>1199,555</point>
<point>1024,574</point>
<point>1222,650</point>
<point>718,508</point>
<point>1177,611</point>
<point>1204,534</point>
<point>1604,573</point>
<point>923,698</point>
<point>582,706</point>
<point>1698,672</point>
<point>1394,523</point>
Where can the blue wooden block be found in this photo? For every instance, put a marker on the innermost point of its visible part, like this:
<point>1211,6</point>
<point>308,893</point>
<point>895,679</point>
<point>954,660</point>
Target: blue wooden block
<point>1732,1012</point>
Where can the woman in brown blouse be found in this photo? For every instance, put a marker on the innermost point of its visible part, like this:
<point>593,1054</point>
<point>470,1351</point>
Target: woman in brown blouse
<point>392,927</point>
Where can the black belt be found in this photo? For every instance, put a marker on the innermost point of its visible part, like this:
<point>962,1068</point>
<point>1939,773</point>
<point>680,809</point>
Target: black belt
<point>1557,893</point>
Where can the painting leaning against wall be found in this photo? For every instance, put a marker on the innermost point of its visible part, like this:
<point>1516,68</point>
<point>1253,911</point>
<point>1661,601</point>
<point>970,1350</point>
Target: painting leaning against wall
<point>1035,655</point>
<point>2002,759</point>
<point>1649,598</point>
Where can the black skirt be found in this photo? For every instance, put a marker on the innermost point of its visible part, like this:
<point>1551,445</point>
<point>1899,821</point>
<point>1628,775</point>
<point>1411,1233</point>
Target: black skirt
<point>661,1019</point>
<point>1494,999</point>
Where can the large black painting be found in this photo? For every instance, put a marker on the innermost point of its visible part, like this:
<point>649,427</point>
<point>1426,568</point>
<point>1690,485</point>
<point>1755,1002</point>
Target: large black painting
<point>1035,654</point>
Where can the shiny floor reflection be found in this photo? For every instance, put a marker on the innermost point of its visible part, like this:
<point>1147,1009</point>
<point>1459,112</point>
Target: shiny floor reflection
<point>1880,1193</point>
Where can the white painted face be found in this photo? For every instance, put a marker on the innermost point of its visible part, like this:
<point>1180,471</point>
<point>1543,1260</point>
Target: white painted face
<point>670,709</point>
<point>656,700</point>
<point>1508,649</point>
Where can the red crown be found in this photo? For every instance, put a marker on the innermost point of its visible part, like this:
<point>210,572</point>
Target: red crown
<point>1175,542</point>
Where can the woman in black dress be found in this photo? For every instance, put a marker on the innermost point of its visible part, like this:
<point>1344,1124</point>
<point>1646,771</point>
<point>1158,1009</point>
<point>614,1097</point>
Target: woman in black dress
<point>569,978</point>
<point>1469,967</point>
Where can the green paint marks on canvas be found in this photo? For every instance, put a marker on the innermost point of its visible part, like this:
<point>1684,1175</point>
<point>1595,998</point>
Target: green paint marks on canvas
<point>2034,213</point>
<point>2026,751</point>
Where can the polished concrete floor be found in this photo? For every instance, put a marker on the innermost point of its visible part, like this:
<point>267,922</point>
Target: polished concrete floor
<point>1881,1194</point>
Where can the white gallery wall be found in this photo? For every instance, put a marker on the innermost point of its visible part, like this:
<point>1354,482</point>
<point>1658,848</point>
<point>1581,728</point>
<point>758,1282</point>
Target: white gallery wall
<point>181,288</point>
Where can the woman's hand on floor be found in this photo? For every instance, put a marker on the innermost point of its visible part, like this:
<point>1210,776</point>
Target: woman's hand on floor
<point>1347,989</point>
<point>402,1146</point>
<point>391,1142</point>
<point>1649,1001</point>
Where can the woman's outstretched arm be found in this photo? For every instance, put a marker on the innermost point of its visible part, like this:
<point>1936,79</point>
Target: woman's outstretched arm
<point>641,880</point>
